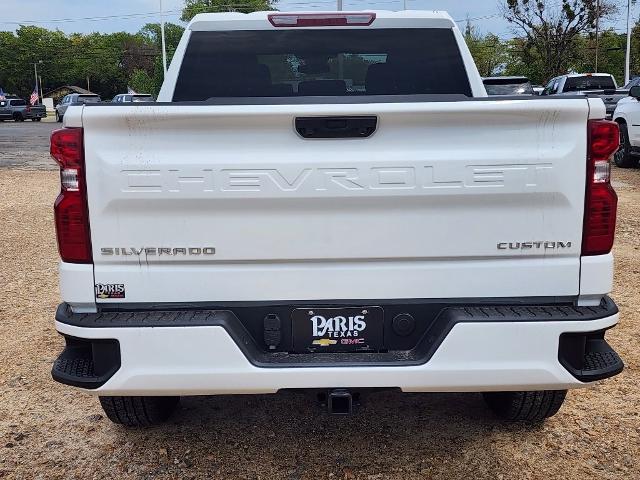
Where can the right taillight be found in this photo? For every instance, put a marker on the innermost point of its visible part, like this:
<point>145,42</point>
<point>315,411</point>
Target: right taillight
<point>601,201</point>
<point>71,210</point>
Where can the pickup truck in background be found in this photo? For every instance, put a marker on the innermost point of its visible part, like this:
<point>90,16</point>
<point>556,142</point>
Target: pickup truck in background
<point>132,98</point>
<point>508,86</point>
<point>19,110</point>
<point>318,202</point>
<point>597,85</point>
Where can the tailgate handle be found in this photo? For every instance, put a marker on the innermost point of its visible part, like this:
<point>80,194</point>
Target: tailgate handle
<point>361,126</point>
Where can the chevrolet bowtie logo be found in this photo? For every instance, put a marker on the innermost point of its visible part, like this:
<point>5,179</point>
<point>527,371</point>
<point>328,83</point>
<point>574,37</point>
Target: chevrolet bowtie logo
<point>325,342</point>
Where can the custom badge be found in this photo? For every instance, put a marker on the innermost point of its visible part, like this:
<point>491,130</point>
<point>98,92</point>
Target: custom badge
<point>109,290</point>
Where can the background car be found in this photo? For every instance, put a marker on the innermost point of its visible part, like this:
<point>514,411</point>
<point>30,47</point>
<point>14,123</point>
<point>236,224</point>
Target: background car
<point>627,115</point>
<point>132,98</point>
<point>19,110</point>
<point>74,99</point>
<point>538,89</point>
<point>602,85</point>
<point>508,86</point>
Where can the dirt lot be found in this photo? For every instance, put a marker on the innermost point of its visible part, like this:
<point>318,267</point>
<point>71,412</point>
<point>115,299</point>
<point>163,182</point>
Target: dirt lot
<point>50,431</point>
<point>26,144</point>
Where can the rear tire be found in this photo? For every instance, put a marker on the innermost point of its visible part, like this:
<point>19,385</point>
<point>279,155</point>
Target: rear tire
<point>17,117</point>
<point>622,158</point>
<point>58,118</point>
<point>36,119</point>
<point>139,411</point>
<point>531,407</point>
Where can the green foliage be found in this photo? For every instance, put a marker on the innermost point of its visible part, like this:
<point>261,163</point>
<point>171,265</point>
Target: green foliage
<point>611,51</point>
<point>172,34</point>
<point>194,7</point>
<point>141,82</point>
<point>551,31</point>
<point>488,51</point>
<point>524,61</point>
<point>107,62</point>
<point>151,33</point>
<point>552,38</point>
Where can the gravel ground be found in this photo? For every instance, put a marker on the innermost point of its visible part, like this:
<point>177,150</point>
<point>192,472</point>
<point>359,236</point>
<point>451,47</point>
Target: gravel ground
<point>26,144</point>
<point>51,431</point>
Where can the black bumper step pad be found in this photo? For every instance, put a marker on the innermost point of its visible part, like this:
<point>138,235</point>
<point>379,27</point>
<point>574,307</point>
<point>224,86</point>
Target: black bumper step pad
<point>87,363</point>
<point>588,356</point>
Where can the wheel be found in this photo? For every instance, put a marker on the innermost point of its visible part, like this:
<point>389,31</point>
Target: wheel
<point>36,119</point>
<point>138,411</point>
<point>58,118</point>
<point>525,406</point>
<point>17,117</point>
<point>622,158</point>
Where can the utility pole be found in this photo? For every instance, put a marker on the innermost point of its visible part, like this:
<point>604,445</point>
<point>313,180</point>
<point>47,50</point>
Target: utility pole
<point>627,57</point>
<point>404,4</point>
<point>597,30</point>
<point>164,45</point>
<point>339,5</point>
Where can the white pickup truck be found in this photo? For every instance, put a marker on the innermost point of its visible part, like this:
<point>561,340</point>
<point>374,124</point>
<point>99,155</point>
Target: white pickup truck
<point>331,202</point>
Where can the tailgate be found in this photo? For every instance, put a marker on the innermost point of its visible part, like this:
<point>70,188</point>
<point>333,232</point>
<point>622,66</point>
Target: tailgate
<point>445,200</point>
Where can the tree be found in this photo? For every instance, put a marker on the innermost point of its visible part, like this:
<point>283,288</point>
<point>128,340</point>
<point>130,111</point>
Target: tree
<point>172,34</point>
<point>141,82</point>
<point>155,72</point>
<point>635,50</point>
<point>194,7</point>
<point>30,44</point>
<point>109,61</point>
<point>488,51</point>
<point>521,61</point>
<point>611,49</point>
<point>550,30</point>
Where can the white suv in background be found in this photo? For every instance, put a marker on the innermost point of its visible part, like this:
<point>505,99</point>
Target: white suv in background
<point>627,115</point>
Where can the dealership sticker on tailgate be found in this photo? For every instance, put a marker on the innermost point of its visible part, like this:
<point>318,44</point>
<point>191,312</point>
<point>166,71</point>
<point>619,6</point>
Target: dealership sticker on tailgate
<point>337,329</point>
<point>110,290</point>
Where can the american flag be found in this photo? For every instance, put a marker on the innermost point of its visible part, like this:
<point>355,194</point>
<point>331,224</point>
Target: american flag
<point>33,99</point>
<point>2,97</point>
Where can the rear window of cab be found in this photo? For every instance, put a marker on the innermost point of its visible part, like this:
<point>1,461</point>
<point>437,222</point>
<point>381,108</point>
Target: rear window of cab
<point>321,62</point>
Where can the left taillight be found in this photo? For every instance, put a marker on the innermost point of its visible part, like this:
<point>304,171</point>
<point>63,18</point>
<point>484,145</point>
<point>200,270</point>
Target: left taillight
<point>601,201</point>
<point>71,208</point>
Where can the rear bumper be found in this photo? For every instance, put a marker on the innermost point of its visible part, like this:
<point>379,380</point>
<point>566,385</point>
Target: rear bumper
<point>157,353</point>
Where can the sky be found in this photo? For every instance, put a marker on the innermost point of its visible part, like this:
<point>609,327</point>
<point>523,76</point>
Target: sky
<point>84,16</point>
